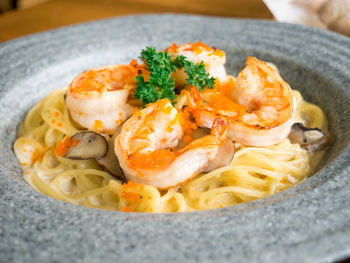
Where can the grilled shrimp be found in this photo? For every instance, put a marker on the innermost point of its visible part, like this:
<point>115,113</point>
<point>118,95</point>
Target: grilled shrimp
<point>259,105</point>
<point>146,147</point>
<point>97,98</point>
<point>213,59</point>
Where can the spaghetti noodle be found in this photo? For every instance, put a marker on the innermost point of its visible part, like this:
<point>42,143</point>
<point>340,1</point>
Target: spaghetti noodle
<point>255,172</point>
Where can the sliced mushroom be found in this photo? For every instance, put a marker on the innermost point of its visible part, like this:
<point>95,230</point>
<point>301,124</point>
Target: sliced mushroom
<point>223,157</point>
<point>92,145</point>
<point>89,145</point>
<point>311,139</point>
<point>197,133</point>
<point>110,160</point>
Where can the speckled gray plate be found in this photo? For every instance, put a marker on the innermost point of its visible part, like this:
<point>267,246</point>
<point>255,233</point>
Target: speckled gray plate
<point>308,223</point>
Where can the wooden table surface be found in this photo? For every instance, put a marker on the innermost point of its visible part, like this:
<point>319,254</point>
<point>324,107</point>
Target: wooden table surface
<point>56,13</point>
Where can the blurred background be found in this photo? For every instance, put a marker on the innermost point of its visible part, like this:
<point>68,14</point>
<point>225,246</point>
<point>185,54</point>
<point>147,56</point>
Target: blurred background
<point>23,17</point>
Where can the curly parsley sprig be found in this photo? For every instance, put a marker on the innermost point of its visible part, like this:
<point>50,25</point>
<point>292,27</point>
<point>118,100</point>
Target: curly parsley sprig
<point>161,84</point>
<point>196,73</point>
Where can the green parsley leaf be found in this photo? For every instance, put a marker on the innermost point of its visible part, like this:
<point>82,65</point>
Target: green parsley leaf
<point>161,84</point>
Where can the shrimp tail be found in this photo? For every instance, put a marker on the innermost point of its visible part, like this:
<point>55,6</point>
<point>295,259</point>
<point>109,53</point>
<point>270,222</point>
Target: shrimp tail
<point>195,103</point>
<point>194,99</point>
<point>220,128</point>
<point>195,95</point>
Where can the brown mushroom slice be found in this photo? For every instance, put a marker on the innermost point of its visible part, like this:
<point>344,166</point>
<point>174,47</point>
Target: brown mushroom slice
<point>89,145</point>
<point>311,139</point>
<point>223,157</point>
<point>92,145</point>
<point>197,133</point>
<point>110,160</point>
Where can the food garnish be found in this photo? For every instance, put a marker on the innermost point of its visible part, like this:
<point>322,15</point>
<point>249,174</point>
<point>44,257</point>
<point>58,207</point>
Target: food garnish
<point>161,84</point>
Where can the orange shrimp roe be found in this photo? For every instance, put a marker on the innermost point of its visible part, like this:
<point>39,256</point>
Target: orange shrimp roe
<point>127,209</point>
<point>198,47</point>
<point>153,160</point>
<point>88,82</point>
<point>63,146</point>
<point>132,185</point>
<point>135,198</point>
<point>107,79</point>
<point>188,126</point>
<point>225,88</point>
<point>161,157</point>
<point>97,125</point>
<point>221,102</point>
<point>217,101</point>
<point>173,48</point>
<point>138,69</point>
<point>217,52</point>
<point>284,181</point>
